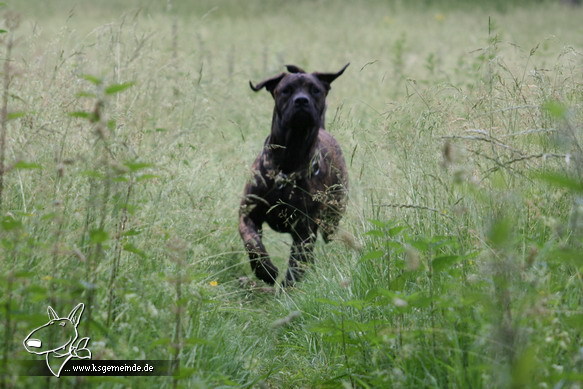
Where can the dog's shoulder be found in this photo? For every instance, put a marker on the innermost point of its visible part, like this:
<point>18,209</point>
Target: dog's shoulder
<point>260,179</point>
<point>326,139</point>
<point>329,147</point>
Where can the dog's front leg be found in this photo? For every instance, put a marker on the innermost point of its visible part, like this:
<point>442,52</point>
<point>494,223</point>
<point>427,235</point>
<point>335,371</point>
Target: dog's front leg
<point>261,265</point>
<point>301,254</point>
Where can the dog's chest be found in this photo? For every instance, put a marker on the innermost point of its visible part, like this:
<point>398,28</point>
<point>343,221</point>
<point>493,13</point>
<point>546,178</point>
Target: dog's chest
<point>290,202</point>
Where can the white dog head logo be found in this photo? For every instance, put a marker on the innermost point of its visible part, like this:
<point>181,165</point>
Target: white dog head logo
<point>57,339</point>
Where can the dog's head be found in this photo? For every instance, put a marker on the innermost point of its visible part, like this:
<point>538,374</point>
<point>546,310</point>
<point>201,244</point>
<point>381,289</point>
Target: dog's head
<point>300,97</point>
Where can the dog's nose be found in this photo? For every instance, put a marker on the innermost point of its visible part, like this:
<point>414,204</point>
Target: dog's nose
<point>34,343</point>
<point>301,101</point>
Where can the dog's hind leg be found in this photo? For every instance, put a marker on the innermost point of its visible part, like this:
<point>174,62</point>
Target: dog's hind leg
<point>333,209</point>
<point>301,255</point>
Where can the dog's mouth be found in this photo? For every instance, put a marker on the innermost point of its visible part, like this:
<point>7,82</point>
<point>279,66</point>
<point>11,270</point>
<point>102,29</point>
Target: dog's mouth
<point>301,117</point>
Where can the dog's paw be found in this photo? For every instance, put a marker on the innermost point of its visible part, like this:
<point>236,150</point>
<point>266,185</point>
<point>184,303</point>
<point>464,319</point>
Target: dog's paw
<point>251,286</point>
<point>266,272</point>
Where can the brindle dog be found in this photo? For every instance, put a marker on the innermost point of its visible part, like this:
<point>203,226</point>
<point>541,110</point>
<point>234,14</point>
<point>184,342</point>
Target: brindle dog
<point>299,183</point>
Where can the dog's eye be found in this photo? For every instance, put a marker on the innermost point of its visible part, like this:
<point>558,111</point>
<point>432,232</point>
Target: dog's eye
<point>286,91</point>
<point>315,90</point>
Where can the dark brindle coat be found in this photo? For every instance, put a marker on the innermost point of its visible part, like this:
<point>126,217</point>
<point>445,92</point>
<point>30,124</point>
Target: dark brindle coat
<point>299,182</point>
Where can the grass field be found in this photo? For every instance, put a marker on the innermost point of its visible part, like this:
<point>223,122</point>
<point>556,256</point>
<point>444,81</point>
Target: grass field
<point>127,132</point>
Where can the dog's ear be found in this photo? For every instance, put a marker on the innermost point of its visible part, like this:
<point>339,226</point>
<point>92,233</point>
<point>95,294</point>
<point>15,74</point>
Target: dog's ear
<point>294,69</point>
<point>270,84</point>
<point>76,313</point>
<point>52,314</point>
<point>327,78</point>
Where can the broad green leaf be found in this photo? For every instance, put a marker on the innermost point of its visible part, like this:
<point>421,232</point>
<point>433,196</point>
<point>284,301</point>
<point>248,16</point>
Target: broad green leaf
<point>9,223</point>
<point>555,108</point>
<point>372,255</point>
<point>396,230</point>
<point>116,88</point>
<point>186,372</point>
<point>419,300</point>
<point>92,79</point>
<point>566,255</point>
<point>195,340</point>
<point>98,236</point>
<point>135,166</point>
<point>133,249</point>
<point>377,233</point>
<point>84,115</point>
<point>420,244</point>
<point>86,94</point>
<point>28,274</point>
<point>524,368</point>
<point>560,180</point>
<point>26,165</point>
<point>394,246</point>
<point>356,304</point>
<point>132,232</point>
<point>161,342</point>
<point>378,223</point>
<point>15,115</point>
<point>444,262</point>
<point>500,232</point>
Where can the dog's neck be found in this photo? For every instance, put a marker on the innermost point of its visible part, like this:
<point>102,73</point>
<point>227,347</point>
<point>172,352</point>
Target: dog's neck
<point>292,149</point>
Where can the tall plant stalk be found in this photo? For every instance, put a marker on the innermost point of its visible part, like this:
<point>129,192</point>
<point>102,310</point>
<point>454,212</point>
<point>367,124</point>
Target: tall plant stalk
<point>12,23</point>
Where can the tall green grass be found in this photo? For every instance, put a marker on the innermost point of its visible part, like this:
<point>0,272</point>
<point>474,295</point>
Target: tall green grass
<point>129,135</point>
